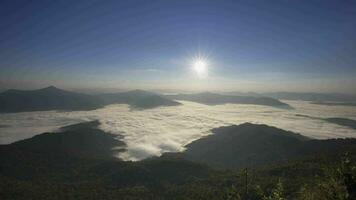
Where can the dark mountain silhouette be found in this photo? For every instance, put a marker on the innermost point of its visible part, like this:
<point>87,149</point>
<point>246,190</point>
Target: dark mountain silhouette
<point>216,99</point>
<point>77,163</point>
<point>52,98</point>
<point>84,152</point>
<point>335,120</point>
<point>82,140</point>
<point>49,98</point>
<point>342,122</point>
<point>334,103</point>
<point>304,96</point>
<point>138,99</point>
<point>249,145</point>
<point>312,96</point>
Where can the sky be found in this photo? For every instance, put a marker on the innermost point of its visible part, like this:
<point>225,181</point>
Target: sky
<point>251,45</point>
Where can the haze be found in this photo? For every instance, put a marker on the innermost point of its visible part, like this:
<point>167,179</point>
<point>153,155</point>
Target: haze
<point>178,99</point>
<point>258,46</point>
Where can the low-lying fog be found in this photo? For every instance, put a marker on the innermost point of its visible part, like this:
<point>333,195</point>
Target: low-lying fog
<point>153,131</point>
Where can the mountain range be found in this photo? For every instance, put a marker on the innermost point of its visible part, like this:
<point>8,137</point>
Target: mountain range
<point>350,123</point>
<point>218,99</point>
<point>52,98</point>
<point>49,98</point>
<point>251,145</point>
<point>78,162</point>
<point>304,96</point>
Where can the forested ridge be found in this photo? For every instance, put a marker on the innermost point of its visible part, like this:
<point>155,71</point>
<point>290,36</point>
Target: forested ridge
<point>63,170</point>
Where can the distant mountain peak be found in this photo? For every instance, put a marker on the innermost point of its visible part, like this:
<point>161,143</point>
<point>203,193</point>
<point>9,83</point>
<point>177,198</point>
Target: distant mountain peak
<point>138,91</point>
<point>51,88</point>
<point>210,98</point>
<point>207,93</point>
<point>48,98</point>
<point>53,98</point>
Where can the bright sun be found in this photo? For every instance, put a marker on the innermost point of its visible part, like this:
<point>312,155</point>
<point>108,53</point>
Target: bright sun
<point>200,67</point>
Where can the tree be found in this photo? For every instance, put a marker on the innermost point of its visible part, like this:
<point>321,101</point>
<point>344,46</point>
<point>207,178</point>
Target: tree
<point>277,193</point>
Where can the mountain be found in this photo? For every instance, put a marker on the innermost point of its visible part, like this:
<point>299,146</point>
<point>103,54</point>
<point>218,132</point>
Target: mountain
<point>82,153</point>
<point>350,123</point>
<point>217,99</point>
<point>342,122</point>
<point>82,140</point>
<point>334,103</point>
<point>138,99</point>
<point>312,96</point>
<point>77,163</point>
<point>304,96</point>
<point>249,145</point>
<point>49,98</point>
<point>52,98</point>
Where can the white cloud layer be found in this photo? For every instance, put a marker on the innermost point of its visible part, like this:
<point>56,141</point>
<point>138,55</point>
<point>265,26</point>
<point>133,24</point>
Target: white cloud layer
<point>154,131</point>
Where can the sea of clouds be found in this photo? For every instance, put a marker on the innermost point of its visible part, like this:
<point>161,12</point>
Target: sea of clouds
<point>154,131</point>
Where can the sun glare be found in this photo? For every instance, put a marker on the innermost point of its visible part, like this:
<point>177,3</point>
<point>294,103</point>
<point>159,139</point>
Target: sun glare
<point>200,67</point>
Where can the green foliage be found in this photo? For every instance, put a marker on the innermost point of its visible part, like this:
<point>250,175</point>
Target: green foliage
<point>232,193</point>
<point>277,193</point>
<point>347,173</point>
<point>31,170</point>
<point>338,184</point>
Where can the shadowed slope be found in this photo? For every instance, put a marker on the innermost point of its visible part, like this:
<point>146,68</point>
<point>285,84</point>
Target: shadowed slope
<point>342,122</point>
<point>217,99</point>
<point>30,170</point>
<point>335,120</point>
<point>249,145</point>
<point>50,98</point>
<point>83,153</point>
<point>138,99</point>
<point>82,140</point>
<point>334,103</point>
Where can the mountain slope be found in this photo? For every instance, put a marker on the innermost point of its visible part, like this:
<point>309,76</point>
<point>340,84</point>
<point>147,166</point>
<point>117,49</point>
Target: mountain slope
<point>50,98</point>
<point>82,153</point>
<point>317,97</point>
<point>249,145</point>
<point>342,122</point>
<point>334,103</point>
<point>350,123</point>
<point>82,140</point>
<point>138,99</point>
<point>217,99</point>
<point>66,165</point>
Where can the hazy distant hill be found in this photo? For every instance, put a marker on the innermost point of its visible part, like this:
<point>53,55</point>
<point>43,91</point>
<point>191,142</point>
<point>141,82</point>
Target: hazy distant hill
<point>49,98</point>
<point>335,120</point>
<point>342,122</point>
<point>138,99</point>
<point>334,103</point>
<point>312,96</point>
<point>52,98</point>
<point>216,99</point>
<point>252,145</point>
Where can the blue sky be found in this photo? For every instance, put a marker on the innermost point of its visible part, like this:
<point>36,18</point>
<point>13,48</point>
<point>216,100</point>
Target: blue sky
<point>248,45</point>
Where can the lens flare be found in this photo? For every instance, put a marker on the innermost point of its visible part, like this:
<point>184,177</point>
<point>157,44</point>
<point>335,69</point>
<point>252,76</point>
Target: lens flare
<point>200,68</point>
